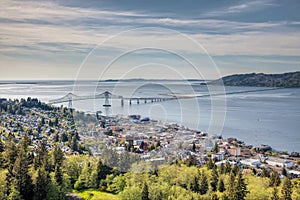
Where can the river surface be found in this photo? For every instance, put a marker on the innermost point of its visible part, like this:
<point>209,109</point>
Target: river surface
<point>260,117</point>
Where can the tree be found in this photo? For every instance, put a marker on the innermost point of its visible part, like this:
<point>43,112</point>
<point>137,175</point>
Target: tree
<point>195,186</point>
<point>274,179</point>
<point>231,186</point>
<point>222,168</point>
<point>240,190</point>
<point>145,192</point>
<point>210,164</point>
<point>194,147</point>
<point>58,157</point>
<point>21,178</point>
<point>1,146</point>
<point>286,190</point>
<point>214,179</point>
<point>102,171</point>
<point>11,155</point>
<point>41,184</point>
<point>221,185</point>
<point>88,178</point>
<point>191,161</point>
<point>284,172</point>
<point>265,172</point>
<point>203,183</point>
<point>41,158</point>
<point>216,148</point>
<point>274,194</point>
<point>235,169</point>
<point>227,167</point>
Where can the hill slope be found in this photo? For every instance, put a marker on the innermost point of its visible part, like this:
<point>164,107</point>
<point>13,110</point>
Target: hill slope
<point>291,79</point>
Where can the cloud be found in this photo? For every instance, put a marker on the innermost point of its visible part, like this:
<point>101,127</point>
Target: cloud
<point>50,31</point>
<point>248,6</point>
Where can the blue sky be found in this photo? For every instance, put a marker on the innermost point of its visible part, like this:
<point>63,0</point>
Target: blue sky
<point>139,38</point>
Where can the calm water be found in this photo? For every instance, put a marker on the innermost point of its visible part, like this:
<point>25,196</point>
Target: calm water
<point>265,117</point>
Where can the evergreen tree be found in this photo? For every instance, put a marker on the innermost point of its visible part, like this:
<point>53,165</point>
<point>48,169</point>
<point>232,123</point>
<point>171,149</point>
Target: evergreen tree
<point>235,169</point>
<point>274,179</point>
<point>203,183</point>
<point>1,146</point>
<point>286,190</point>
<point>222,168</point>
<point>284,172</point>
<point>102,171</point>
<point>145,192</point>
<point>191,161</point>
<point>221,185</point>
<point>41,184</point>
<point>227,167</point>
<point>231,186</point>
<point>216,148</point>
<point>41,158</point>
<point>210,164</point>
<point>265,172</point>
<point>240,191</point>
<point>74,144</point>
<point>214,180</point>
<point>194,147</point>
<point>195,186</point>
<point>274,194</point>
<point>58,157</point>
<point>11,155</point>
<point>21,178</point>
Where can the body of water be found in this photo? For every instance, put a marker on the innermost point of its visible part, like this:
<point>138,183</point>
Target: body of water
<point>263,117</point>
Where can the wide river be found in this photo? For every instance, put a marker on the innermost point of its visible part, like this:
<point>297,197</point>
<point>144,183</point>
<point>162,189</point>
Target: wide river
<point>259,117</point>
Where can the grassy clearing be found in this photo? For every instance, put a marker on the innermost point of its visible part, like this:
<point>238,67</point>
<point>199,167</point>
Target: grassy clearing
<point>92,194</point>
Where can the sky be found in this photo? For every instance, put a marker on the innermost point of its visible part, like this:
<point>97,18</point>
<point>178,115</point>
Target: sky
<point>103,39</point>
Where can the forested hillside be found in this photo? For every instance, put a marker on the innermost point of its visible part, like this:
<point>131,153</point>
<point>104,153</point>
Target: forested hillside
<point>261,80</point>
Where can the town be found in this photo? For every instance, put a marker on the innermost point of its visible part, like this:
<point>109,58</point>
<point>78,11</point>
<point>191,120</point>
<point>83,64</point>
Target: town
<point>147,139</point>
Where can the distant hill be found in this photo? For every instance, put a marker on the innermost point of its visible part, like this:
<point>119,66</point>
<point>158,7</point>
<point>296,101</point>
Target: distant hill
<point>291,79</point>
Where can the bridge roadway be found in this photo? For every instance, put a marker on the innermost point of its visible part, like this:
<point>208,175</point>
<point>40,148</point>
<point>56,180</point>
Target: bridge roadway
<point>70,97</point>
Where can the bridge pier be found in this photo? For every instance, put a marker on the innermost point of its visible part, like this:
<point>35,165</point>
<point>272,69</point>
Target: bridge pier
<point>129,101</point>
<point>145,101</point>
<point>70,103</point>
<point>138,101</point>
<point>122,102</point>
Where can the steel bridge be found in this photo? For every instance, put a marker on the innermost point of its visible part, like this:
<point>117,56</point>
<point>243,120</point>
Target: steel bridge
<point>70,97</point>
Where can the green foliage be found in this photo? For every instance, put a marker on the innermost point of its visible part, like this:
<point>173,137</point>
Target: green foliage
<point>203,183</point>
<point>131,193</point>
<point>93,194</point>
<point>274,179</point>
<point>240,189</point>
<point>214,179</point>
<point>21,178</point>
<point>3,188</point>
<point>227,167</point>
<point>274,194</point>
<point>41,184</point>
<point>145,192</point>
<point>221,185</point>
<point>286,190</point>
